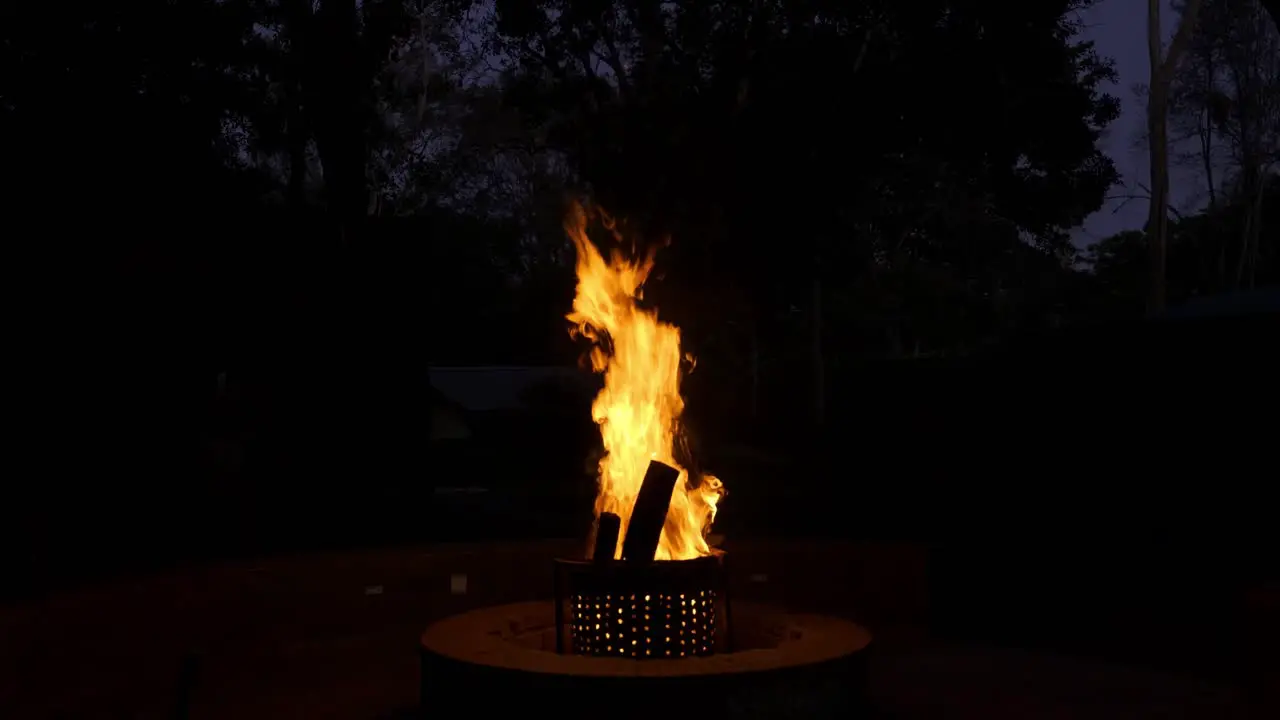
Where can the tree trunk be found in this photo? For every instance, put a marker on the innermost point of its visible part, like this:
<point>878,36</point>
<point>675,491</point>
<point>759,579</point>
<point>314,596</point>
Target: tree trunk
<point>1273,9</point>
<point>337,103</point>
<point>1249,165</point>
<point>1206,158</point>
<point>297,15</point>
<point>1208,170</point>
<point>1158,214</point>
<point>1246,269</point>
<point>1157,132</point>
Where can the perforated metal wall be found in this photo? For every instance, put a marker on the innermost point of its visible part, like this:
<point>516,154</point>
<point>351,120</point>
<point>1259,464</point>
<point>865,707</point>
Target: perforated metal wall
<point>659,610</point>
<point>650,625</point>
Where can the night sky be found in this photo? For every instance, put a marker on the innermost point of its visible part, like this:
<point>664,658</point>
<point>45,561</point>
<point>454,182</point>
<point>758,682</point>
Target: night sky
<point>1119,29</point>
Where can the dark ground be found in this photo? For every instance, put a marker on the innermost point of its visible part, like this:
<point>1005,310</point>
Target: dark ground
<point>1055,616</point>
<point>302,637</point>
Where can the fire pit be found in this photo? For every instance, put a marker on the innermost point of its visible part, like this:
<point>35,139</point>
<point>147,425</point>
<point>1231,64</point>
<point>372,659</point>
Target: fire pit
<point>640,627</point>
<point>505,658</point>
<point>671,609</point>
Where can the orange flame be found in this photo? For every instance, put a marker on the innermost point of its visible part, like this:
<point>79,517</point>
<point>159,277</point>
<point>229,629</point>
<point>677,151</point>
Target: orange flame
<point>640,404</point>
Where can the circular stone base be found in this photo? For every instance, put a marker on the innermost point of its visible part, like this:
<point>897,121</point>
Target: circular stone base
<point>503,659</point>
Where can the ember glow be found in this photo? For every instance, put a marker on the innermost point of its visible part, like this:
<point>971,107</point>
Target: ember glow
<point>640,404</point>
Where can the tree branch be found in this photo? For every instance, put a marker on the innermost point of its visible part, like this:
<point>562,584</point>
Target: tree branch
<point>1128,197</point>
<point>1186,28</point>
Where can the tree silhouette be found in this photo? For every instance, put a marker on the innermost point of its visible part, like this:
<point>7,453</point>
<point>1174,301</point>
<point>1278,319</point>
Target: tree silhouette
<point>819,188</point>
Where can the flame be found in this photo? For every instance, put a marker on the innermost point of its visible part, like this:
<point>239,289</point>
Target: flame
<point>639,406</point>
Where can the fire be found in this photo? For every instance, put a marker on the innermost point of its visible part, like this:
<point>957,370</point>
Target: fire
<point>640,404</point>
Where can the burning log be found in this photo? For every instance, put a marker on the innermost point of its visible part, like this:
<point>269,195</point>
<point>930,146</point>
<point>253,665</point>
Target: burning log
<point>607,529</point>
<point>649,513</point>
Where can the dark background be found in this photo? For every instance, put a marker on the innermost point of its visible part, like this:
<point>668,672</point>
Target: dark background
<point>1156,504</point>
<point>243,233</point>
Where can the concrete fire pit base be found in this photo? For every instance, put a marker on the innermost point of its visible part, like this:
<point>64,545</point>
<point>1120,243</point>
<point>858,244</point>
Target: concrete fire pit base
<point>503,659</point>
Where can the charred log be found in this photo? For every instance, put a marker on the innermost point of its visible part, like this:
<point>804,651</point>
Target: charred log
<point>649,513</point>
<point>607,529</point>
